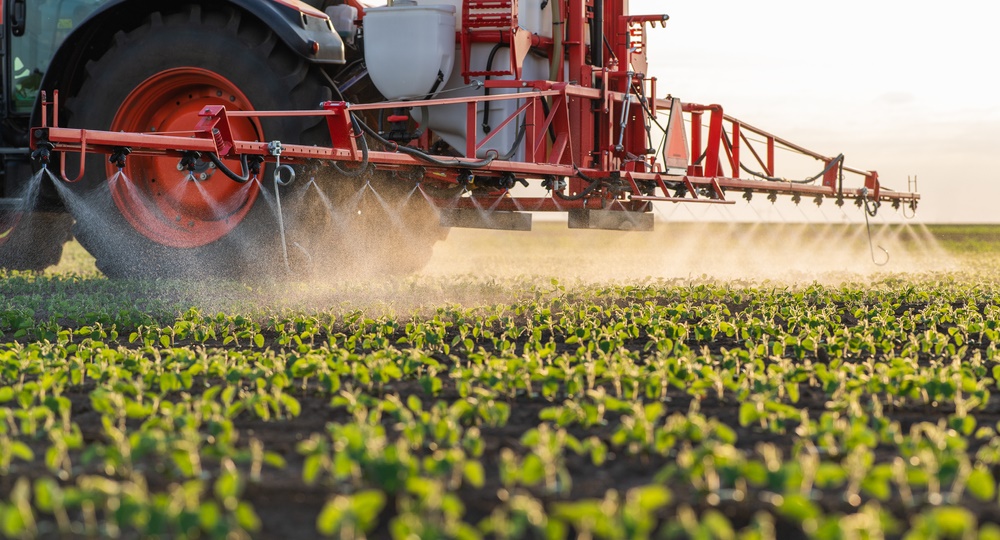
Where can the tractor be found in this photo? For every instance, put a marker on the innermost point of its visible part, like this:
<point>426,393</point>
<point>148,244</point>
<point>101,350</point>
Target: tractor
<point>249,138</point>
<point>137,65</point>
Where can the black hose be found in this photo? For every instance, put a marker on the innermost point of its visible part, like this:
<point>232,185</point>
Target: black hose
<point>486,92</point>
<point>354,173</point>
<point>425,156</point>
<point>835,161</point>
<point>594,184</point>
<point>517,142</point>
<point>357,122</point>
<point>597,35</point>
<point>228,172</point>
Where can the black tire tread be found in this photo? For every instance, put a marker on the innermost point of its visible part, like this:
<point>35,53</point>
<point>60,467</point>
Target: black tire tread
<point>36,242</point>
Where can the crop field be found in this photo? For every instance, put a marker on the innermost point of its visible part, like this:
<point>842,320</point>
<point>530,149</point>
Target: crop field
<point>689,384</point>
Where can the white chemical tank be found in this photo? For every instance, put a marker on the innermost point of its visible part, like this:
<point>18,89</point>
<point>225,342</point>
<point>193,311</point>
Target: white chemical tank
<point>448,121</point>
<point>409,48</point>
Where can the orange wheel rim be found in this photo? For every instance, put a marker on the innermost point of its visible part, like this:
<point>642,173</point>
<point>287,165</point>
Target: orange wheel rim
<point>162,200</point>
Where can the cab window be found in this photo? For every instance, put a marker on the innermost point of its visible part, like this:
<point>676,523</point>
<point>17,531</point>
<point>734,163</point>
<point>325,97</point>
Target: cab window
<point>47,23</point>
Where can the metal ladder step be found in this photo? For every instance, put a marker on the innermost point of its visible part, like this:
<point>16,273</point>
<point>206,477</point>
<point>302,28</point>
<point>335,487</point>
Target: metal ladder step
<point>497,18</point>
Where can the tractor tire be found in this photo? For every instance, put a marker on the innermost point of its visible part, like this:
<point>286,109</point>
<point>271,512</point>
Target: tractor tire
<point>155,218</point>
<point>33,240</point>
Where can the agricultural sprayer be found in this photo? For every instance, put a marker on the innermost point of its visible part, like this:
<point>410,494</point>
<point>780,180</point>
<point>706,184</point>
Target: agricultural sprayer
<point>250,136</point>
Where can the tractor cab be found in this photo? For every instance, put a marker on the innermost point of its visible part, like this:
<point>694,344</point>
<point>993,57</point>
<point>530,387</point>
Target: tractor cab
<point>33,31</point>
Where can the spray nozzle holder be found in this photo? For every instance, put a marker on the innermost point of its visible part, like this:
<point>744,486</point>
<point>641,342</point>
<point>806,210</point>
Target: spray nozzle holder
<point>43,152</point>
<point>117,157</point>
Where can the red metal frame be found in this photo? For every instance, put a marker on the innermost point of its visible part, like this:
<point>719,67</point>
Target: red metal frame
<point>587,116</point>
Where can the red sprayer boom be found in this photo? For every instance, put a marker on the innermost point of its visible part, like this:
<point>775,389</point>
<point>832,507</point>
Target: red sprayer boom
<point>565,104</point>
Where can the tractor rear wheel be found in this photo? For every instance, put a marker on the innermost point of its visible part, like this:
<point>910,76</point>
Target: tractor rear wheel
<point>156,217</point>
<point>32,240</point>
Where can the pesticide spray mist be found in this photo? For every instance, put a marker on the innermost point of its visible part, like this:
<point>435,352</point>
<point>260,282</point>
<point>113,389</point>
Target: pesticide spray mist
<point>782,252</point>
<point>483,267</point>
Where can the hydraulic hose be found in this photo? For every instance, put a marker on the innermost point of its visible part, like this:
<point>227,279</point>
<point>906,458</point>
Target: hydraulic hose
<point>839,160</point>
<point>486,92</point>
<point>423,155</point>
<point>354,173</point>
<point>834,162</point>
<point>517,142</point>
<point>356,122</point>
<point>556,62</point>
<point>597,35</point>
<point>594,184</point>
<point>228,172</point>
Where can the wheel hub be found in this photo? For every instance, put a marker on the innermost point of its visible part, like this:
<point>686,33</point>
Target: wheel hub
<point>156,194</point>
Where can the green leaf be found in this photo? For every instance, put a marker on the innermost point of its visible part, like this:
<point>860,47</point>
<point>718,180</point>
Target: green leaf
<point>246,517</point>
<point>798,508</point>
<point>793,391</point>
<point>330,517</point>
<point>981,484</point>
<point>311,469</point>
<point>830,475</point>
<point>209,515</point>
<point>52,458</point>
<point>21,451</point>
<point>184,462</point>
<point>474,473</point>
<point>12,524</point>
<point>367,505</point>
<point>47,493</point>
<point>989,531</point>
<point>532,470</point>
<point>258,340</point>
<point>649,498</point>
<point>227,486</point>
<point>598,452</point>
<point>577,511</point>
<point>748,413</point>
<point>413,403</point>
<point>755,472</point>
<point>718,525</point>
<point>6,394</point>
<point>291,404</point>
<point>963,424</point>
<point>953,521</point>
<point>274,459</point>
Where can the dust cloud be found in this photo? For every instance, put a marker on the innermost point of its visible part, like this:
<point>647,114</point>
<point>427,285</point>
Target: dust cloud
<point>784,252</point>
<point>370,248</point>
<point>484,267</point>
<point>481,268</point>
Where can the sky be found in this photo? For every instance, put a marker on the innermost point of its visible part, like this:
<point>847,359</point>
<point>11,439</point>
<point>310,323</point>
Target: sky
<point>906,88</point>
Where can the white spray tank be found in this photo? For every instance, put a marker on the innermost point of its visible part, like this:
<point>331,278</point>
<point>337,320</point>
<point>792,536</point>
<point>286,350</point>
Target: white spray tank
<point>408,42</point>
<point>449,121</point>
<point>410,48</point>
